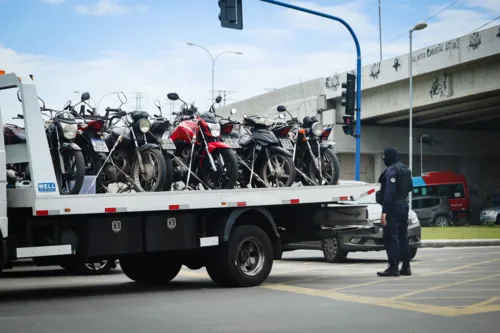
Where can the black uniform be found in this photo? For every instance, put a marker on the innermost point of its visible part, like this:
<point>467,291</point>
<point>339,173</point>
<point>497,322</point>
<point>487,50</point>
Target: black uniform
<point>396,183</point>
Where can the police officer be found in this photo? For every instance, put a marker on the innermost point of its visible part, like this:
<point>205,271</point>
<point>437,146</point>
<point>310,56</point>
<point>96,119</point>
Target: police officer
<point>396,183</point>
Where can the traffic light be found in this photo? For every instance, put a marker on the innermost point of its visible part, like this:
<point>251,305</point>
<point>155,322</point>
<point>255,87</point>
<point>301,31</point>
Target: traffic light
<point>349,94</point>
<point>348,127</point>
<point>231,14</point>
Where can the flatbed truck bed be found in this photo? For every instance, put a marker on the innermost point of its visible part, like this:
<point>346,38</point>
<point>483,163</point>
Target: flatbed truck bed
<point>235,233</point>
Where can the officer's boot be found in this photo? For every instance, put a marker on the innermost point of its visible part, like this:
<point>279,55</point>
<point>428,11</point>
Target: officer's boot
<point>405,269</point>
<point>390,271</point>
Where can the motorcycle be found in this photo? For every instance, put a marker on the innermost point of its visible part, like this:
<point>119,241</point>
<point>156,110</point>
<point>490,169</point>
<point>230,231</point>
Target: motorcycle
<point>90,138</point>
<point>315,159</point>
<point>148,171</point>
<point>263,163</point>
<point>160,134</point>
<point>61,129</point>
<point>199,151</point>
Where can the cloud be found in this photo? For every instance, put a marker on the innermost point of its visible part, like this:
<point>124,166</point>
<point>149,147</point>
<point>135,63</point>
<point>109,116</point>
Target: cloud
<point>109,8</point>
<point>54,2</point>
<point>492,6</point>
<point>271,58</point>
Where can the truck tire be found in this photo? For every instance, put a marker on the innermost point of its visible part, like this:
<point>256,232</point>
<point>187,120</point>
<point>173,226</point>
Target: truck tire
<point>245,260</point>
<point>332,251</point>
<point>151,268</point>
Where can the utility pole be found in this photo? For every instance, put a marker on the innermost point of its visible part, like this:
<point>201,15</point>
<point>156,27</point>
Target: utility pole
<point>225,95</point>
<point>138,100</point>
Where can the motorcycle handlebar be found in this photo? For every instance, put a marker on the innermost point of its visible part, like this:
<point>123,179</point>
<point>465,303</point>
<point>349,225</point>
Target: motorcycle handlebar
<point>113,110</point>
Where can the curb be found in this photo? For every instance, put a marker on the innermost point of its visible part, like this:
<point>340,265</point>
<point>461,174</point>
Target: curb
<point>438,243</point>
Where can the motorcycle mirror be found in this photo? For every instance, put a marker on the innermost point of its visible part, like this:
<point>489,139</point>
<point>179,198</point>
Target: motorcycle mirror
<point>172,96</point>
<point>245,115</point>
<point>281,108</point>
<point>233,111</point>
<point>218,99</point>
<point>122,97</point>
<point>67,105</point>
<point>320,111</point>
<point>158,105</point>
<point>43,102</point>
<point>85,97</point>
<point>281,116</point>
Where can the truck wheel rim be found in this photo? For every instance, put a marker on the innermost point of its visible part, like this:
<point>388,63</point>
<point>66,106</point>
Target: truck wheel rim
<point>441,221</point>
<point>251,257</point>
<point>330,247</point>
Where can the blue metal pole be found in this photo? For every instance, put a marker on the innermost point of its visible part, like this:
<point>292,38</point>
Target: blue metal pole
<point>358,70</point>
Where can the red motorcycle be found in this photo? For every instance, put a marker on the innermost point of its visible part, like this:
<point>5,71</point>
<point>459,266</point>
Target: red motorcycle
<point>201,158</point>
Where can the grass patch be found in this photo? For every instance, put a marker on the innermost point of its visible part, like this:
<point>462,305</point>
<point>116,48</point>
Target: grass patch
<point>473,232</point>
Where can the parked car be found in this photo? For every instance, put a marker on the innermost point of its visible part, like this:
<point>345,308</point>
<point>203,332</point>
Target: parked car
<point>336,249</point>
<point>433,211</point>
<point>490,215</point>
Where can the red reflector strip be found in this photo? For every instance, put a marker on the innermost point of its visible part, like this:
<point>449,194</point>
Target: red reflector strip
<point>294,201</point>
<point>345,198</point>
<point>371,191</point>
<point>42,212</point>
<point>110,210</point>
<point>173,207</point>
<point>241,204</point>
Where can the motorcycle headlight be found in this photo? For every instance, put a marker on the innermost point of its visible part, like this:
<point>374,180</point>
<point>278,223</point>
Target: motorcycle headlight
<point>317,129</point>
<point>214,129</point>
<point>69,130</point>
<point>144,125</point>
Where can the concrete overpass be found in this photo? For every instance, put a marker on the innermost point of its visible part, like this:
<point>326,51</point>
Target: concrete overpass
<point>456,100</point>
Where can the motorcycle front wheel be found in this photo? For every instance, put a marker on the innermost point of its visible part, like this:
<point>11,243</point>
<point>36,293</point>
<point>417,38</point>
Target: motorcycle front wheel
<point>226,174</point>
<point>71,181</point>
<point>330,168</point>
<point>283,173</point>
<point>153,178</point>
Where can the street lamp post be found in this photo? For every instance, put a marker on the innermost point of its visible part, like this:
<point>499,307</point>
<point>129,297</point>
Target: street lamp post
<point>418,26</point>
<point>213,62</point>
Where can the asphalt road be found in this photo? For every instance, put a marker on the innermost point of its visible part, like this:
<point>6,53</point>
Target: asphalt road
<point>452,290</point>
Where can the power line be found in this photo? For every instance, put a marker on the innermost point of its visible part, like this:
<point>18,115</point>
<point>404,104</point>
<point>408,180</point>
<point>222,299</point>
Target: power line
<point>406,32</point>
<point>496,18</point>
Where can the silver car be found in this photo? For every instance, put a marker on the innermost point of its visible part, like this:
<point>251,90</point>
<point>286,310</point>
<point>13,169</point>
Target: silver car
<point>490,215</point>
<point>336,249</point>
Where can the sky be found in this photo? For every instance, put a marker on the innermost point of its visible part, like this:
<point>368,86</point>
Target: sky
<point>103,46</point>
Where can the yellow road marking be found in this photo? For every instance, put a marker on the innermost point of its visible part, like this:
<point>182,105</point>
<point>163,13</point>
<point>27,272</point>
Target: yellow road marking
<point>444,286</point>
<point>460,267</point>
<point>384,302</point>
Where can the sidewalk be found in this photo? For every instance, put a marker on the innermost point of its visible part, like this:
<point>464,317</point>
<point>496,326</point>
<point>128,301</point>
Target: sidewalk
<point>436,243</point>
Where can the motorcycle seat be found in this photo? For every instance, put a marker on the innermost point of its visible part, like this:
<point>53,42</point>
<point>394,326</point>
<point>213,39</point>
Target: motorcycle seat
<point>245,140</point>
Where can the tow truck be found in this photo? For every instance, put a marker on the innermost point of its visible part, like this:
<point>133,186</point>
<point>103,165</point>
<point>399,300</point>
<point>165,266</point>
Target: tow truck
<point>235,234</point>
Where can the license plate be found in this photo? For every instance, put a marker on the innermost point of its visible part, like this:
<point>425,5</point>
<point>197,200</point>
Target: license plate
<point>233,143</point>
<point>100,146</point>
<point>287,144</point>
<point>168,144</point>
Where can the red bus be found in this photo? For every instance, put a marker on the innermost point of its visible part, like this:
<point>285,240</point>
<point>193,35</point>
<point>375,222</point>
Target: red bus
<point>445,184</point>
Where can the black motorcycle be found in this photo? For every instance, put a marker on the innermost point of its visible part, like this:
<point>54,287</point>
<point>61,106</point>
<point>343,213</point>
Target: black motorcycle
<point>69,165</point>
<point>315,159</point>
<point>132,161</point>
<point>262,162</point>
<point>61,130</point>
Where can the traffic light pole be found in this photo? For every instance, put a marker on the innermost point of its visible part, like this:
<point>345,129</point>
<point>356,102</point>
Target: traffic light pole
<point>358,70</point>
